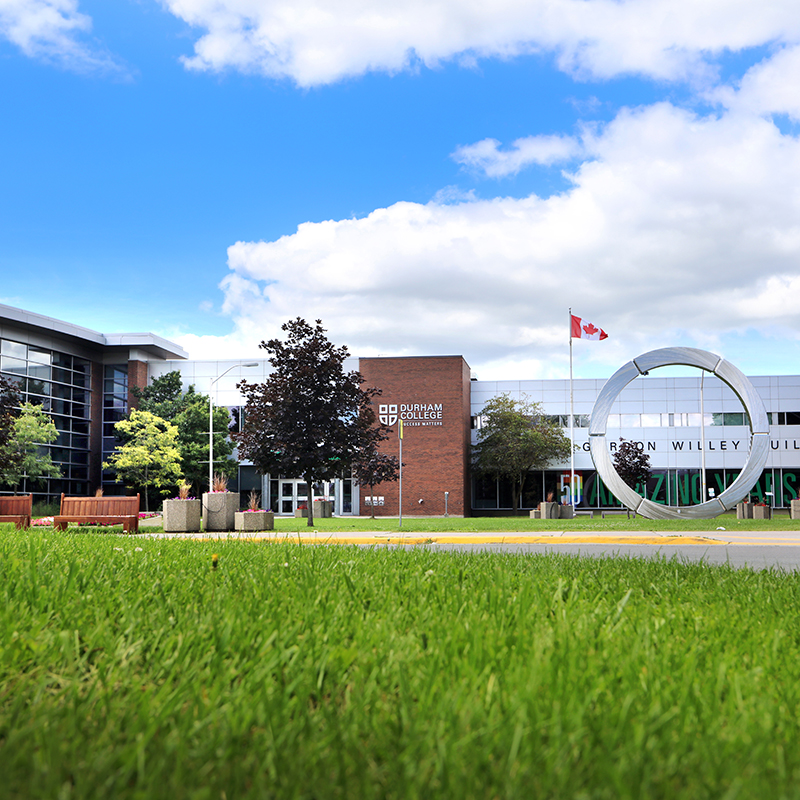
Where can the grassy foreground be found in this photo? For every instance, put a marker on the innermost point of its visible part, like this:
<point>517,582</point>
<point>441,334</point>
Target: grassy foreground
<point>133,668</point>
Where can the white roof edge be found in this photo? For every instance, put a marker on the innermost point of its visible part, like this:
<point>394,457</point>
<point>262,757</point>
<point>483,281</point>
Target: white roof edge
<point>163,348</point>
<point>166,349</point>
<point>50,324</point>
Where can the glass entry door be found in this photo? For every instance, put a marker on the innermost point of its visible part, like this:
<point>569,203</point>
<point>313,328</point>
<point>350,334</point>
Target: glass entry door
<point>293,495</point>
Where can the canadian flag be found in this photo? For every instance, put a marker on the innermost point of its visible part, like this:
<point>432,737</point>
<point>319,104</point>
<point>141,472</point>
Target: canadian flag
<point>581,329</point>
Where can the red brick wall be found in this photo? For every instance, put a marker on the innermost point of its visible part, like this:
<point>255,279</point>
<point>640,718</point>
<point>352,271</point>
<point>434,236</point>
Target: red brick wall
<point>137,376</point>
<point>435,456</point>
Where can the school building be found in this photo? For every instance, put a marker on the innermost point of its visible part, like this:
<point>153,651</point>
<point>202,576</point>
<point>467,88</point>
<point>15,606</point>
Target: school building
<point>83,379</point>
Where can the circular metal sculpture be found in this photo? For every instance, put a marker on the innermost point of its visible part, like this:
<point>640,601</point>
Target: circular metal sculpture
<point>728,374</point>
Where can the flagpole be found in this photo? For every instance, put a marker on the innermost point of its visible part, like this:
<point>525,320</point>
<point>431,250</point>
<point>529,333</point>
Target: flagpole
<point>571,424</point>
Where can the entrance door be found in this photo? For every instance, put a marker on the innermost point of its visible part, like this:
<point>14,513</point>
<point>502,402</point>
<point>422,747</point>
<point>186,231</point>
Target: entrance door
<point>293,493</point>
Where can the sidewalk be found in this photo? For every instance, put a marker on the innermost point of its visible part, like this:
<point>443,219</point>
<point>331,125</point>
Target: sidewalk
<point>399,537</point>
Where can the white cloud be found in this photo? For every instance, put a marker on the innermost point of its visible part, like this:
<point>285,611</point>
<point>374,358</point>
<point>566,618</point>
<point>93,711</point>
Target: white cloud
<point>51,30</point>
<point>487,156</point>
<point>775,299</point>
<point>453,194</point>
<point>313,42</point>
<point>771,87</point>
<point>675,225</point>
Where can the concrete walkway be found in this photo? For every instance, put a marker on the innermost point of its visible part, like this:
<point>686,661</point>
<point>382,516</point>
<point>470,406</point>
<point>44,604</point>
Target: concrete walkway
<point>662,538</point>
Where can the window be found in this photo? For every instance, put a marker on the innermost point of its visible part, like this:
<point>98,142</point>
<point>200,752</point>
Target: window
<point>39,365</point>
<point>734,418</point>
<point>115,406</point>
<point>39,355</point>
<point>16,349</point>
<point>14,366</point>
<point>783,417</point>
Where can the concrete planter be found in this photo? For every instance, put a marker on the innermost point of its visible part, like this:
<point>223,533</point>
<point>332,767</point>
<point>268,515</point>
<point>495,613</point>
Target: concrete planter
<point>565,512</point>
<point>254,521</point>
<point>323,508</point>
<point>301,512</point>
<point>549,510</point>
<point>794,511</point>
<point>762,512</point>
<point>744,511</point>
<point>181,516</point>
<point>218,510</point>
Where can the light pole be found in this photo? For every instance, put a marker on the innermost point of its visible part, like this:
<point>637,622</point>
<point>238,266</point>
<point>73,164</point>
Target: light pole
<point>400,443</point>
<point>211,420</point>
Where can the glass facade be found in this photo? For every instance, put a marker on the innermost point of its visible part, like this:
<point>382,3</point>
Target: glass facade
<point>683,487</point>
<point>672,487</point>
<point>668,437</point>
<point>667,420</point>
<point>115,408</point>
<point>61,385</point>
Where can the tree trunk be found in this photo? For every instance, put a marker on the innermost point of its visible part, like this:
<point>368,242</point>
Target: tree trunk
<point>372,500</point>
<point>516,494</point>
<point>310,502</point>
<point>518,499</point>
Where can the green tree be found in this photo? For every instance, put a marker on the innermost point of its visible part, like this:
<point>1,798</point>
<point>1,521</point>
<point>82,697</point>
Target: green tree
<point>163,397</point>
<point>149,455</point>
<point>516,437</point>
<point>24,453</point>
<point>9,411</point>
<point>309,418</point>
<point>188,410</point>
<point>192,425</point>
<point>632,464</point>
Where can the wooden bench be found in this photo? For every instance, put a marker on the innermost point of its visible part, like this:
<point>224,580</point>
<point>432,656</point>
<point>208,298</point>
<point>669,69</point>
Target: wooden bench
<point>17,509</point>
<point>99,511</point>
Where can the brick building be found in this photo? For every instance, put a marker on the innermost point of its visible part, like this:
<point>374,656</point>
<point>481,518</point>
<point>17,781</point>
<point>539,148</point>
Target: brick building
<point>83,379</point>
<point>431,395</point>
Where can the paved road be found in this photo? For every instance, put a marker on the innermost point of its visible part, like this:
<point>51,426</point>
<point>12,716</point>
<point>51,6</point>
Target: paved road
<point>755,549</point>
<point>756,556</point>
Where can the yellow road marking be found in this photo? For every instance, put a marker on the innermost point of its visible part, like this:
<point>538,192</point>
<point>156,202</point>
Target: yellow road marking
<point>770,542</point>
<point>399,539</point>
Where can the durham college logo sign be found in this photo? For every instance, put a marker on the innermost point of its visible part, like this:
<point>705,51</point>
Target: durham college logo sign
<point>414,414</point>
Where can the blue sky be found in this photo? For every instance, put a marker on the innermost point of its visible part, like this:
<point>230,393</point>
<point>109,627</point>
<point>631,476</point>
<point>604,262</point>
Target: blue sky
<point>426,178</point>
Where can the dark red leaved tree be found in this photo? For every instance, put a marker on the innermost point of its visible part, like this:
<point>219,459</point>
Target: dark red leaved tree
<point>309,418</point>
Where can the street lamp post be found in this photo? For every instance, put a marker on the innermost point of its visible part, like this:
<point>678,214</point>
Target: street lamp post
<point>211,420</point>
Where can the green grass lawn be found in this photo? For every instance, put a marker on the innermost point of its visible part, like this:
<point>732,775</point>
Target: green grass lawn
<point>133,668</point>
<point>612,523</point>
